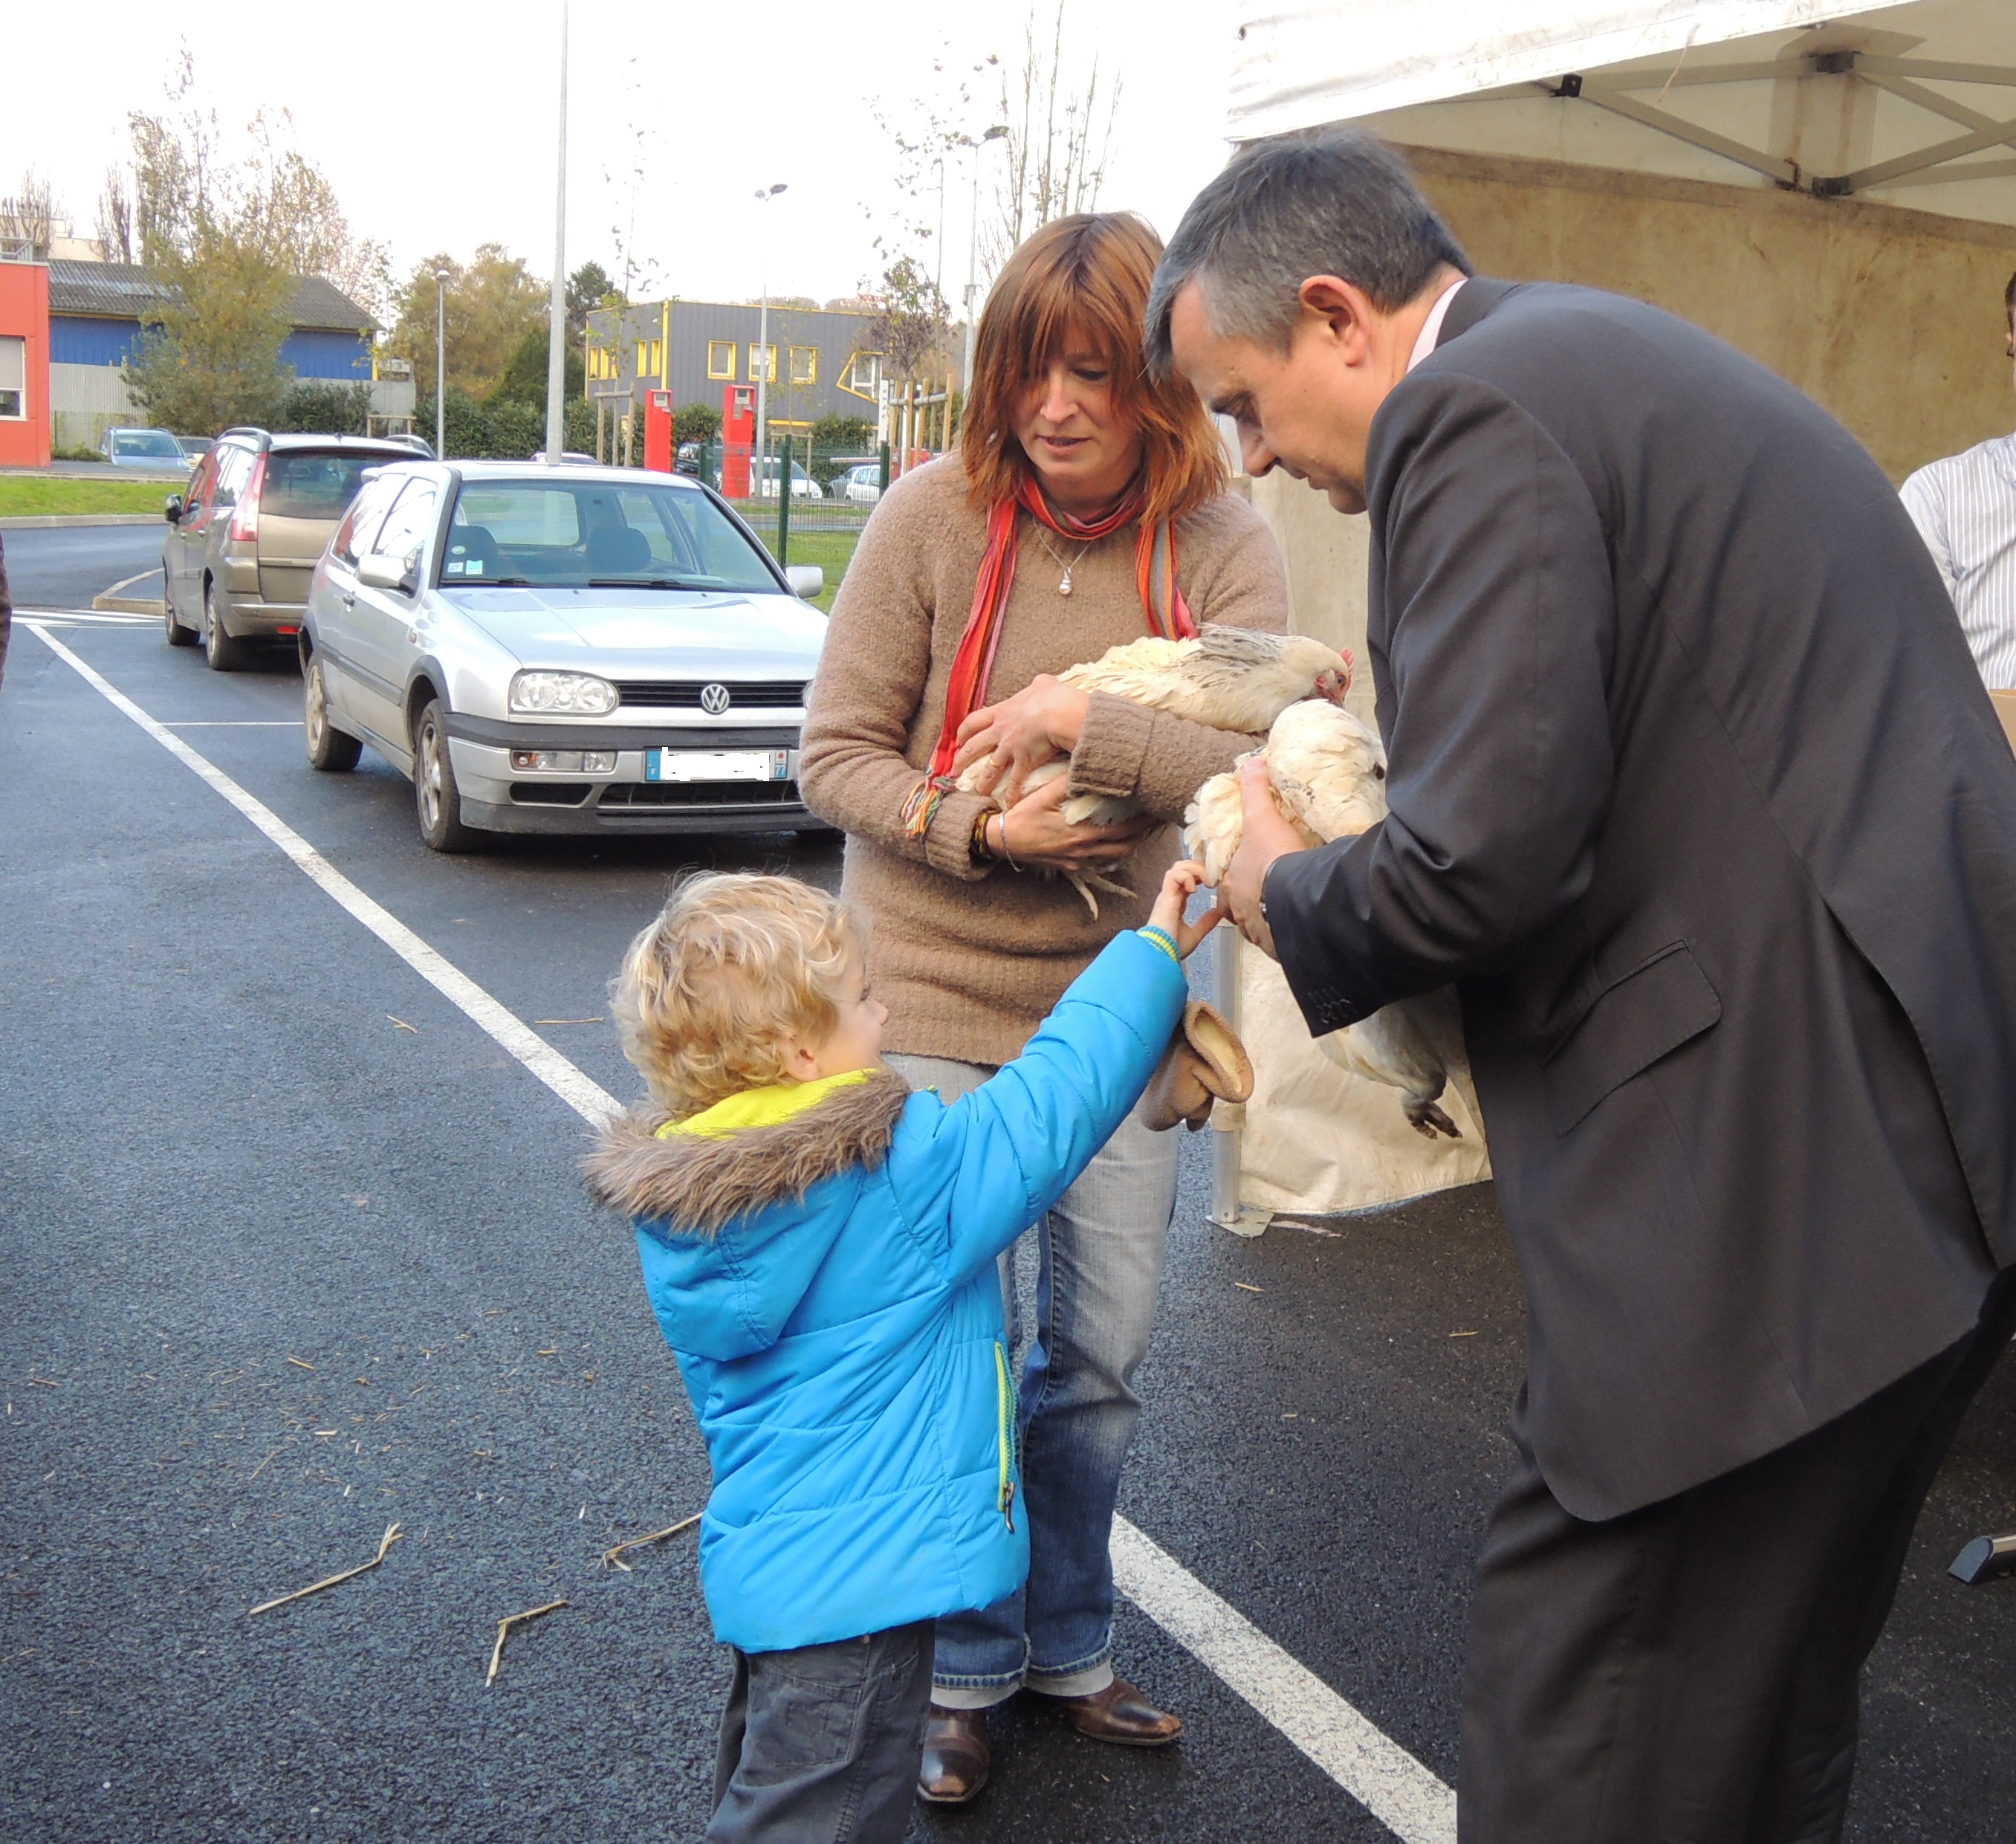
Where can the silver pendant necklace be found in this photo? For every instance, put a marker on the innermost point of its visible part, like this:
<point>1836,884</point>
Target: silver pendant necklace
<point>1067,566</point>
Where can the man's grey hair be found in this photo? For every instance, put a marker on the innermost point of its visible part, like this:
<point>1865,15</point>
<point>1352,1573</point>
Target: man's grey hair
<point>1338,203</point>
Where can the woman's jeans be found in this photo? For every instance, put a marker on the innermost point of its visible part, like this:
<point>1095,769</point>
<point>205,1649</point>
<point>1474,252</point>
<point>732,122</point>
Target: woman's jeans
<point>1101,1268</point>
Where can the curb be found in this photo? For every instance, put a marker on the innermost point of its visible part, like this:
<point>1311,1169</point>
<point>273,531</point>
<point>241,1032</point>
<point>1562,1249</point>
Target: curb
<point>57,521</point>
<point>127,605</point>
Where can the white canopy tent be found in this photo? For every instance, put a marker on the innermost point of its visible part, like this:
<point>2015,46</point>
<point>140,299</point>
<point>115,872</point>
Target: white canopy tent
<point>1830,184</point>
<point>1901,104</point>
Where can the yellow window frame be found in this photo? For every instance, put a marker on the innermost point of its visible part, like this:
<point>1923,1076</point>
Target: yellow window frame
<point>805,365</point>
<point>755,358</point>
<point>717,366</point>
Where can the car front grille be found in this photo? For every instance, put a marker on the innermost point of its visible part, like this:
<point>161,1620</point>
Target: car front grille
<point>683,694</point>
<point>699,793</point>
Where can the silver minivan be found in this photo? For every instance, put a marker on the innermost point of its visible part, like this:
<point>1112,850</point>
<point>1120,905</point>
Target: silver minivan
<point>245,533</point>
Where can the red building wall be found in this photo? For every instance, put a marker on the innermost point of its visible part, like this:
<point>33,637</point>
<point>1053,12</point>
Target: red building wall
<point>24,314</point>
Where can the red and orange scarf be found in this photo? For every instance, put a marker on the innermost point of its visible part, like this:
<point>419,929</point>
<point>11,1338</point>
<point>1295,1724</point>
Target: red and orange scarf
<point>973,664</point>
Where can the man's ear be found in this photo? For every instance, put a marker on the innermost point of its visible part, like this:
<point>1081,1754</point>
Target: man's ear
<point>1345,310</point>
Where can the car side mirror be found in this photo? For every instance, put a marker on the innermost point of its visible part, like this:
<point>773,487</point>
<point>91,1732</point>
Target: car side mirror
<point>171,509</point>
<point>807,581</point>
<point>375,570</point>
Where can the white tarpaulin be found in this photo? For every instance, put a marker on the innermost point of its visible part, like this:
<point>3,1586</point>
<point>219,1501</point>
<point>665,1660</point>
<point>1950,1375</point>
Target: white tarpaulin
<point>1318,1139</point>
<point>1904,104</point>
<point>1298,66</point>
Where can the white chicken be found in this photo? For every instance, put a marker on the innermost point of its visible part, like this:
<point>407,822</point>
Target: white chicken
<point>1329,776</point>
<point>1232,678</point>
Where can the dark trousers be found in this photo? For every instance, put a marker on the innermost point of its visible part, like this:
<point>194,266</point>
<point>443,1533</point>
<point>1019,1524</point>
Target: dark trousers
<point>822,1745</point>
<point>1689,1673</point>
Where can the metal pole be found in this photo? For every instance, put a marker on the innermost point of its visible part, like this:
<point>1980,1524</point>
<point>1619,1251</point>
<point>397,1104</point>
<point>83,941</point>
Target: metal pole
<point>763,341</point>
<point>556,331</point>
<point>972,262</point>
<point>441,364</point>
<point>784,504</point>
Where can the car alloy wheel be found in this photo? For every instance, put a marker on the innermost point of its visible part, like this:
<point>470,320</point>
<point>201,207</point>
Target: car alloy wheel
<point>224,653</point>
<point>178,636</point>
<point>329,749</point>
<point>435,795</point>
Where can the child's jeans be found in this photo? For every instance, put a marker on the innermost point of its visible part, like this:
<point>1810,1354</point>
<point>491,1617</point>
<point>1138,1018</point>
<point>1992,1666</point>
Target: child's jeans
<point>822,1745</point>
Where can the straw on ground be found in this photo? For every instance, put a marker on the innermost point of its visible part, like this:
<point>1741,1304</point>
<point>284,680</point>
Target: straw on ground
<point>504,1627</point>
<point>384,1543</point>
<point>613,1559</point>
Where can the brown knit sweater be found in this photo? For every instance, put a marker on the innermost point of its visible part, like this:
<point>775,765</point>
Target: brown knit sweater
<point>969,961</point>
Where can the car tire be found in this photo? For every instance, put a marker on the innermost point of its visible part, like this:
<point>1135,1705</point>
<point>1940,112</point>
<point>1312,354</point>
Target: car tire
<point>223,653</point>
<point>437,800</point>
<point>334,751</point>
<point>178,636</point>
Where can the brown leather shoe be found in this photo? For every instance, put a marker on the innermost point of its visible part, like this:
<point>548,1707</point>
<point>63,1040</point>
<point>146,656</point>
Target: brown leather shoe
<point>1120,1713</point>
<point>956,1757</point>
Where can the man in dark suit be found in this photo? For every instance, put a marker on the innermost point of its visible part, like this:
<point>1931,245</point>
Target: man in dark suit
<point>1697,797</point>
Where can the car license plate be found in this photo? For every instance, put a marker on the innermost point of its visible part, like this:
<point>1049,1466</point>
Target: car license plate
<point>717,765</point>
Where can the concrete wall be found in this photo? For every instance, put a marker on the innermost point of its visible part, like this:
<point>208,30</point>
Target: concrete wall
<point>1890,319</point>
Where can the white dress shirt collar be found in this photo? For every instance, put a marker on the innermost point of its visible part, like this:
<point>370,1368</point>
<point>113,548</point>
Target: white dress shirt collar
<point>1431,328</point>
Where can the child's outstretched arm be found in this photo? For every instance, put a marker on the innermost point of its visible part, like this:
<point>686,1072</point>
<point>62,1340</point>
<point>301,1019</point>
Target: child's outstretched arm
<point>1024,1136</point>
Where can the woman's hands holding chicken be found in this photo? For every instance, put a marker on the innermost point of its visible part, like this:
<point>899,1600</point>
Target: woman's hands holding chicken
<point>1043,720</point>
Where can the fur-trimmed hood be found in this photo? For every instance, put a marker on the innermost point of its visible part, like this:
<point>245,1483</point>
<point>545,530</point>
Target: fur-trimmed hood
<point>695,1185</point>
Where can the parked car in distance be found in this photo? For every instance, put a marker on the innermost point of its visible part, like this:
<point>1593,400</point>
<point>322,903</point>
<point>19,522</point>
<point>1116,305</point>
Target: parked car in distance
<point>195,447</point>
<point>245,533</point>
<point>545,650</point>
<point>860,485</point>
<point>153,448</point>
<point>688,459</point>
<point>803,485</point>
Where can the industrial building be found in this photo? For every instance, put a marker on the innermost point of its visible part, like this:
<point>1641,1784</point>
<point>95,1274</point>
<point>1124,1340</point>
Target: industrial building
<point>67,327</point>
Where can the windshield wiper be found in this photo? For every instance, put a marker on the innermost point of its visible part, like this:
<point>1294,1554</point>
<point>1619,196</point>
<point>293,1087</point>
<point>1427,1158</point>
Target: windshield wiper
<point>655,582</point>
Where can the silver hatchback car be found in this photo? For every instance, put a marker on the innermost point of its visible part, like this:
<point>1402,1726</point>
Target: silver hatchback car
<point>565,650</point>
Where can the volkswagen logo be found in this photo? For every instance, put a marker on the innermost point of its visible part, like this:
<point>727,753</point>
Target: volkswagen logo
<point>713,699</point>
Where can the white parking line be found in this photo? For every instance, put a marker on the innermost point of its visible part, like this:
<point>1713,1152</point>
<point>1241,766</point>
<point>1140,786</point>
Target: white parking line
<point>587,1098</point>
<point>1374,1770</point>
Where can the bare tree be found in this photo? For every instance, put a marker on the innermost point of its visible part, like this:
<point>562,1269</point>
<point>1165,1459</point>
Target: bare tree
<point>30,215</point>
<point>116,241</point>
<point>1060,138</point>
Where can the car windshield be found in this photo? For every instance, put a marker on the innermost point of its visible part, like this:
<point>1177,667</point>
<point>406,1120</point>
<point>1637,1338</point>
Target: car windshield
<point>303,484</point>
<point>147,442</point>
<point>597,534</point>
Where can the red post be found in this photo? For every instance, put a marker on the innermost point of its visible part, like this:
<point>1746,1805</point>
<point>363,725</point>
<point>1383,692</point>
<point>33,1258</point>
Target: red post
<point>658,432</point>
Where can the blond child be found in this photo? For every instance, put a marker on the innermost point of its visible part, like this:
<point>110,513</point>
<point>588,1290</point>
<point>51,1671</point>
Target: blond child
<point>819,1245</point>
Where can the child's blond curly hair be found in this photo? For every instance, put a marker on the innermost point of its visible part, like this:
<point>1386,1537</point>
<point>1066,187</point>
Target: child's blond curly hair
<point>734,966</point>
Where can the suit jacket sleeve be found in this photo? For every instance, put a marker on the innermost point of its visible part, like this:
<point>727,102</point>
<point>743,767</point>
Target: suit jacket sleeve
<point>1493,631</point>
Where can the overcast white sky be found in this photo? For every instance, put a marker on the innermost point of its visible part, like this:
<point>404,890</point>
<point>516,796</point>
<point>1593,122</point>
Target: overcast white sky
<point>436,122</point>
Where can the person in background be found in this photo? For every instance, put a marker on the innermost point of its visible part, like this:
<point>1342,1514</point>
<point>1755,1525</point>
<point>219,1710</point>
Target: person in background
<point>1964,507</point>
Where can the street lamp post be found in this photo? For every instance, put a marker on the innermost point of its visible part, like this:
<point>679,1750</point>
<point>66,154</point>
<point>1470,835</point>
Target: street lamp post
<point>973,260</point>
<point>557,328</point>
<point>441,364</point>
<point>763,345</point>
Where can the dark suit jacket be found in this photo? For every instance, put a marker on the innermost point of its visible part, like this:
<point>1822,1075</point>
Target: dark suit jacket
<point>1696,795</point>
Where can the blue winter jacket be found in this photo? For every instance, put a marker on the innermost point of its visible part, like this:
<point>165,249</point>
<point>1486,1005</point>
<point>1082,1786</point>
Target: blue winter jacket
<point>827,1283</point>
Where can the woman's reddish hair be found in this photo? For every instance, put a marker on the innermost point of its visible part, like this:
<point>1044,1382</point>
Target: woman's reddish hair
<point>1084,277</point>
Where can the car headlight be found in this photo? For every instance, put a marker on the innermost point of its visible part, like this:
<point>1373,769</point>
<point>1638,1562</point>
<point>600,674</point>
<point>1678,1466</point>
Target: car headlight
<point>571,694</point>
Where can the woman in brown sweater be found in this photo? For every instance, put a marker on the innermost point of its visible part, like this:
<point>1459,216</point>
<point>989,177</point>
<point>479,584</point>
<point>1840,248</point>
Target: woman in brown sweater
<point>1087,506</point>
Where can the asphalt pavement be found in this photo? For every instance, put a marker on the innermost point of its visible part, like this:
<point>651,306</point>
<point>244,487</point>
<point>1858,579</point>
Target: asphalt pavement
<point>268,1199</point>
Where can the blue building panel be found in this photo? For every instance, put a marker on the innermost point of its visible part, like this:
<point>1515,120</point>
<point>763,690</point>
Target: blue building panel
<point>85,339</point>
<point>313,352</point>
<point>323,353</point>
